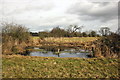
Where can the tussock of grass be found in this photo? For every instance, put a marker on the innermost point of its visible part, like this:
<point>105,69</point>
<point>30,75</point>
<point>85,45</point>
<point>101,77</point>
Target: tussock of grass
<point>16,66</point>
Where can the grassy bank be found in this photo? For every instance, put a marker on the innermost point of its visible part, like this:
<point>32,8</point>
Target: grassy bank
<point>62,40</point>
<point>16,66</point>
<point>66,42</point>
<point>70,39</point>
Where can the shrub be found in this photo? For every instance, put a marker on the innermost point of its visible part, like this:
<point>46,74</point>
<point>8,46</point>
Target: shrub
<point>12,36</point>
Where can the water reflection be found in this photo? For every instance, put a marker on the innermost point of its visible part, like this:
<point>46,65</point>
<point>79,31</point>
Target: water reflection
<point>65,53</point>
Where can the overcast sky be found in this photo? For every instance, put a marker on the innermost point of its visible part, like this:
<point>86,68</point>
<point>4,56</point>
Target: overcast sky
<point>40,15</point>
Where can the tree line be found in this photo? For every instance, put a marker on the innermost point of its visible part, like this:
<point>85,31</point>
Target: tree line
<point>72,31</point>
<point>22,33</point>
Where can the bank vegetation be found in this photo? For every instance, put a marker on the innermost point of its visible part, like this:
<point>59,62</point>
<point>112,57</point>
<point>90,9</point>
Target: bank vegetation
<point>16,38</point>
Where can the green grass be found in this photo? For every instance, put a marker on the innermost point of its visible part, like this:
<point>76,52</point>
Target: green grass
<point>16,66</point>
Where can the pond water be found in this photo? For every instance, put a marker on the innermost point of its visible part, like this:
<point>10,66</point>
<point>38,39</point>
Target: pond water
<point>64,53</point>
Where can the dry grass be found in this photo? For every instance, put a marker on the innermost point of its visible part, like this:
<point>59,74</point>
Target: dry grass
<point>49,67</point>
<point>71,39</point>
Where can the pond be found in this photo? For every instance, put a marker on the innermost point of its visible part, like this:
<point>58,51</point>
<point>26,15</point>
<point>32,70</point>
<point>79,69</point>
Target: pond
<point>63,53</point>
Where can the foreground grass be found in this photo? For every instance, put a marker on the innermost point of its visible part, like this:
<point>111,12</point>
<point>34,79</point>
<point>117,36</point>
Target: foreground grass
<point>16,66</point>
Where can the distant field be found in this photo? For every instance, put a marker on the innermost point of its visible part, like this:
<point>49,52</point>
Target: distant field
<point>69,39</point>
<point>64,41</point>
<point>72,39</point>
<point>15,66</point>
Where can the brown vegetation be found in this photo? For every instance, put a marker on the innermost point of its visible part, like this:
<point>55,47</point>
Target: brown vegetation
<point>14,38</point>
<point>107,46</point>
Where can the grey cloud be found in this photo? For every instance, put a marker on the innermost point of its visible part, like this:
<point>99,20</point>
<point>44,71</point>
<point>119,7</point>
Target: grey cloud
<point>28,8</point>
<point>101,3</point>
<point>45,14</point>
<point>103,11</point>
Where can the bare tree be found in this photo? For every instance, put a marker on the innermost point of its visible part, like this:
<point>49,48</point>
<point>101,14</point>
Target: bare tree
<point>104,31</point>
<point>15,31</point>
<point>74,28</point>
